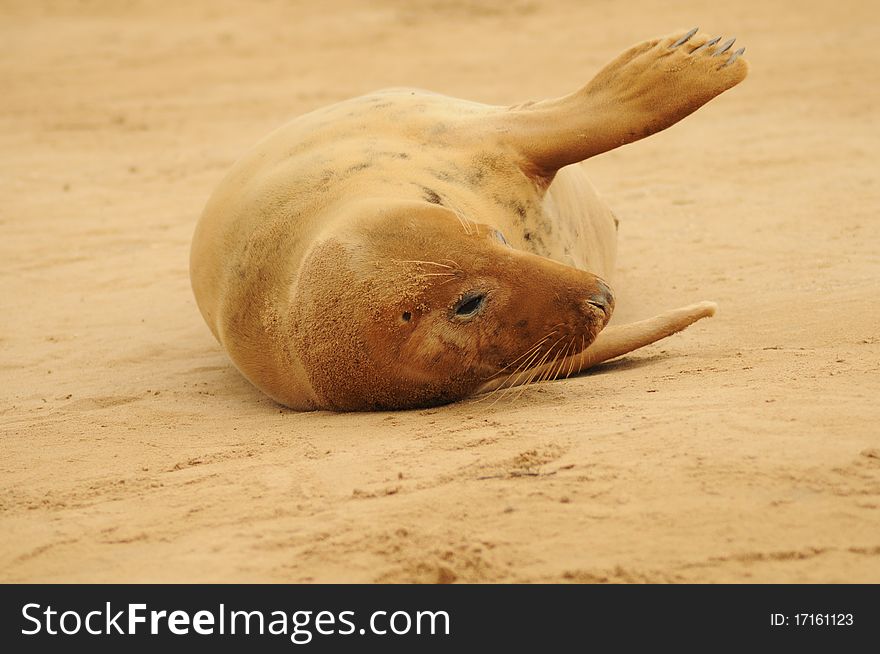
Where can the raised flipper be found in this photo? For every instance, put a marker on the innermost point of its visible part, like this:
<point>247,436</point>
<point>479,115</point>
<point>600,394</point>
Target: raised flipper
<point>646,89</point>
<point>612,342</point>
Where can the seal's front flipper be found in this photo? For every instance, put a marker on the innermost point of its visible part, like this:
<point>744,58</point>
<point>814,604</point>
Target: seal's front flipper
<point>646,89</point>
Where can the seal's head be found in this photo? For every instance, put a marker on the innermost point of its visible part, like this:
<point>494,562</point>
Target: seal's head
<point>417,307</point>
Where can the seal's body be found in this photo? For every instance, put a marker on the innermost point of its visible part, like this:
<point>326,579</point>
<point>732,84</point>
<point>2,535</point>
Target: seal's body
<point>405,249</point>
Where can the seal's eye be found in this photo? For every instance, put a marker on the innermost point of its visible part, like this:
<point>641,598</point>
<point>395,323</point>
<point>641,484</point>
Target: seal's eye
<point>469,305</point>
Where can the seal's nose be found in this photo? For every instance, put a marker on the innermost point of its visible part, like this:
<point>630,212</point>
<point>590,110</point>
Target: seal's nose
<point>602,297</point>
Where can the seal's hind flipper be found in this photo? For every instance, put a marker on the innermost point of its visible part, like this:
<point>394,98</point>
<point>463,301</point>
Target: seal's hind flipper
<point>619,340</point>
<point>646,89</point>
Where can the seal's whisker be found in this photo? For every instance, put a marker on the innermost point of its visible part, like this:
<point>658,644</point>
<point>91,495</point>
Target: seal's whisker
<point>454,264</point>
<point>427,263</point>
<point>540,365</point>
<point>532,350</point>
<point>555,351</point>
<point>550,367</point>
<point>549,372</point>
<point>525,367</point>
<point>468,223</point>
<point>529,365</point>
<point>542,374</point>
<point>504,390</point>
<point>570,356</point>
<point>535,372</point>
<point>523,388</point>
<point>571,361</point>
<point>567,358</point>
<point>495,374</point>
<point>463,221</point>
<point>562,361</point>
<point>583,353</point>
<point>522,369</point>
<point>506,381</point>
<point>500,387</point>
<point>549,334</point>
<point>451,279</point>
<point>472,227</point>
<point>558,363</point>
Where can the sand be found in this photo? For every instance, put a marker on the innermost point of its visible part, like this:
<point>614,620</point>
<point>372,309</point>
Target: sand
<point>745,449</point>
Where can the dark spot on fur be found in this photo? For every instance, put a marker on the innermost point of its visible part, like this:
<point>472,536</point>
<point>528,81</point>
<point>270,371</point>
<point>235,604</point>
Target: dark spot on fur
<point>522,324</point>
<point>513,205</point>
<point>476,176</point>
<point>390,155</point>
<point>486,163</point>
<point>431,196</point>
<point>326,176</point>
<point>443,176</point>
<point>527,236</point>
<point>361,166</point>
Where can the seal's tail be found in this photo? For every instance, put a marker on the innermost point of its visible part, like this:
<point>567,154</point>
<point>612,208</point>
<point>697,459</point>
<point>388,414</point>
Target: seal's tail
<point>646,89</point>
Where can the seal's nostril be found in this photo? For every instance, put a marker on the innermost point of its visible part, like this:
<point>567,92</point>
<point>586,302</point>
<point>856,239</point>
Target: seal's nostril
<point>602,297</point>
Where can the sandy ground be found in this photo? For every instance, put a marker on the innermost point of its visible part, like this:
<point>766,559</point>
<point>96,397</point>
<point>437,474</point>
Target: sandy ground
<point>746,449</point>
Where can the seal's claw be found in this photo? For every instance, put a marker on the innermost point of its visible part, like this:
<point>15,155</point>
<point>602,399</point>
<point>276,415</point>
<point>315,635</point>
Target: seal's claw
<point>724,48</point>
<point>706,45</point>
<point>685,38</point>
<point>648,87</point>
<point>734,57</point>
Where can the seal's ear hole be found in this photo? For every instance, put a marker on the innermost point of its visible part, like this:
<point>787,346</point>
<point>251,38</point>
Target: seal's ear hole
<point>406,317</point>
<point>469,305</point>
